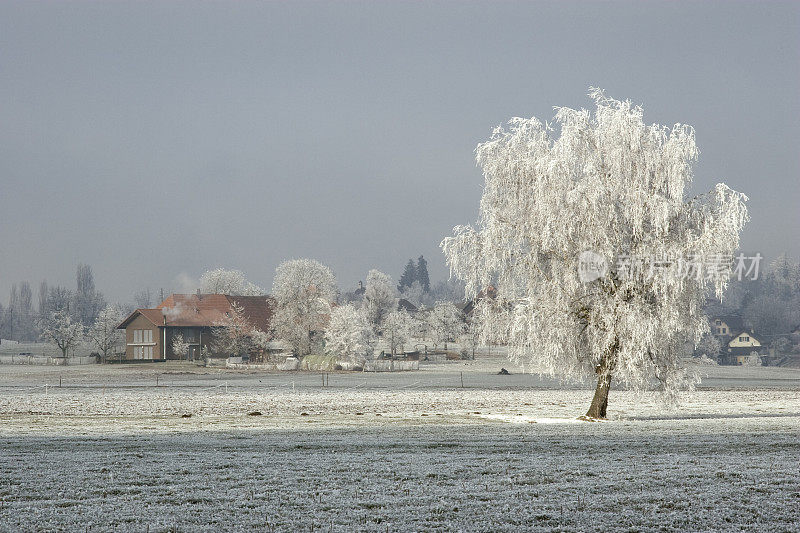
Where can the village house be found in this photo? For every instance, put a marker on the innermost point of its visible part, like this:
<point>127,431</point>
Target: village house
<point>744,348</point>
<point>149,332</point>
<point>739,345</point>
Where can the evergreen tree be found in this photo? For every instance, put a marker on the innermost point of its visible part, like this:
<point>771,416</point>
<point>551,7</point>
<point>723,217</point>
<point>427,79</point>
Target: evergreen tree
<point>409,276</point>
<point>422,274</point>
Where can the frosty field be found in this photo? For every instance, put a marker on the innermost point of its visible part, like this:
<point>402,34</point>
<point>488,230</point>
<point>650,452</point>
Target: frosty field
<point>110,450</point>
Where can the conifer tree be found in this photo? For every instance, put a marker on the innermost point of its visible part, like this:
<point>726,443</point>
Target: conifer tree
<point>409,276</point>
<point>422,274</point>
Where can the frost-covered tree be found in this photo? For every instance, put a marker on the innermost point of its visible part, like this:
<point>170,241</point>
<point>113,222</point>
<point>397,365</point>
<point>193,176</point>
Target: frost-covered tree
<point>380,298</point>
<point>303,290</point>
<point>416,295</point>
<point>231,282</point>
<point>180,347</point>
<point>397,329</point>
<point>445,323</point>
<point>103,334</point>
<point>349,334</point>
<point>451,290</point>
<point>615,187</point>
<point>235,335</point>
<point>773,306</point>
<point>63,331</point>
<point>708,345</point>
<point>471,337</point>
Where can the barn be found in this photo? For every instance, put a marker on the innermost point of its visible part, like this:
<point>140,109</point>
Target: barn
<point>149,332</point>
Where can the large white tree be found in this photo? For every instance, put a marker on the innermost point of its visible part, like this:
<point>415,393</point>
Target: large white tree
<point>380,297</point>
<point>303,290</point>
<point>59,327</point>
<point>350,334</point>
<point>608,184</point>
<point>103,334</point>
<point>231,282</point>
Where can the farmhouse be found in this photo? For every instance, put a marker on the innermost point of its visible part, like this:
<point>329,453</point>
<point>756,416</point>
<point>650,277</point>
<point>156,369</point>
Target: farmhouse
<point>743,348</point>
<point>149,332</point>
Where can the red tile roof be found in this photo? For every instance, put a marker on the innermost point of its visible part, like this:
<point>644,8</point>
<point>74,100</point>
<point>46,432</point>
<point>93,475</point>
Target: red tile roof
<point>205,310</point>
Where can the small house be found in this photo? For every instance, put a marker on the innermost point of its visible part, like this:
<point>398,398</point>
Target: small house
<point>743,348</point>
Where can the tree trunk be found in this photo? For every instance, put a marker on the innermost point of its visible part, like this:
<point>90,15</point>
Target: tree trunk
<point>604,371</point>
<point>600,400</point>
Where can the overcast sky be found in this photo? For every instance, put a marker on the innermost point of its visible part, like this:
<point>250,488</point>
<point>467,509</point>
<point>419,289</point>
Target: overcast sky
<point>157,140</point>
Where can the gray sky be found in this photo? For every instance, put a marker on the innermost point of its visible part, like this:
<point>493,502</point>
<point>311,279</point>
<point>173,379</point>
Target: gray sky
<point>156,140</point>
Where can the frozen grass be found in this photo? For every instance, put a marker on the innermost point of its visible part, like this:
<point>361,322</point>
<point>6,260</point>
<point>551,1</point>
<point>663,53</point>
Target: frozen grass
<point>413,451</point>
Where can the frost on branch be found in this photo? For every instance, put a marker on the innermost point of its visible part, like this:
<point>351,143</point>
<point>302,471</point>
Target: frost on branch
<point>234,334</point>
<point>303,290</point>
<point>180,347</point>
<point>380,297</point>
<point>398,329</point>
<point>445,323</point>
<point>231,282</point>
<point>103,334</point>
<point>349,334</point>
<point>608,183</point>
<point>59,328</point>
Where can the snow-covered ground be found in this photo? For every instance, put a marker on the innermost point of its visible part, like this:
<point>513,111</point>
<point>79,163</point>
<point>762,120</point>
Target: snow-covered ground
<point>405,451</point>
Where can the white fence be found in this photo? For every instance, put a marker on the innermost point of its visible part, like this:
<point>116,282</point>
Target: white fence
<point>11,359</point>
<point>389,365</point>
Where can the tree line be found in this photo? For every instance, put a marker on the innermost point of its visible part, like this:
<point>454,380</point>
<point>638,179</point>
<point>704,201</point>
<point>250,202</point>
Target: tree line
<point>24,319</point>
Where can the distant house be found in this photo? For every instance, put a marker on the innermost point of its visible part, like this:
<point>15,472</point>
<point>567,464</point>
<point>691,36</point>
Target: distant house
<point>149,332</point>
<point>724,327</point>
<point>405,305</point>
<point>489,292</point>
<point>743,348</point>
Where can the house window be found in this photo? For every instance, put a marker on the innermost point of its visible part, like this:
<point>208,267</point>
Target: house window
<point>717,322</point>
<point>142,336</point>
<point>724,330</point>
<point>744,338</point>
<point>142,352</point>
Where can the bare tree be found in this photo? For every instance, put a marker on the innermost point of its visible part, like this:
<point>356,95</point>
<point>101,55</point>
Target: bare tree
<point>143,299</point>
<point>87,300</point>
<point>43,300</point>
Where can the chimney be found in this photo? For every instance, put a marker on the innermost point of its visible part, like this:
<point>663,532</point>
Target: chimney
<point>360,285</point>
<point>199,296</point>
